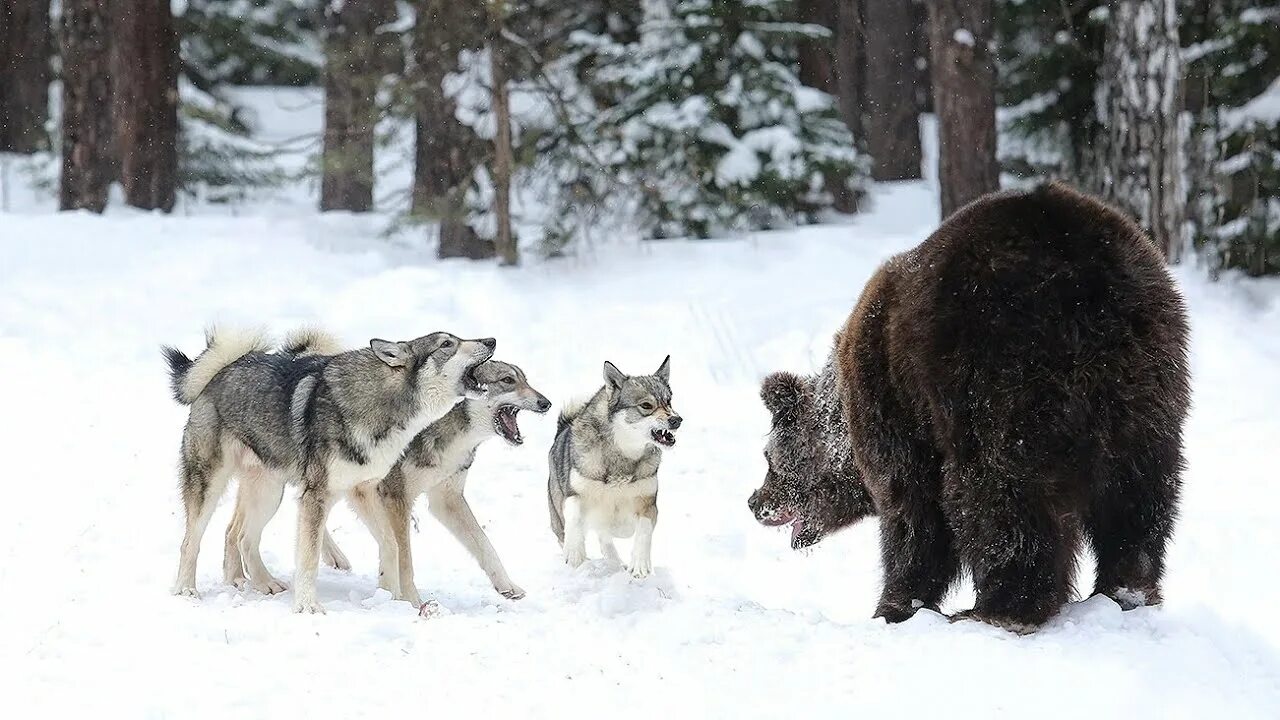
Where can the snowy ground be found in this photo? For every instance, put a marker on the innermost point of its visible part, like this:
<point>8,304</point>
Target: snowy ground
<point>733,623</point>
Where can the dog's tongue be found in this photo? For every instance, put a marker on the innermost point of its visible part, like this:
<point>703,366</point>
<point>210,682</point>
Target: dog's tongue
<point>510,429</point>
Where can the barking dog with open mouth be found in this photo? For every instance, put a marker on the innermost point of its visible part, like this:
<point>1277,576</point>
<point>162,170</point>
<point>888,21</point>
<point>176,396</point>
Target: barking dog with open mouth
<point>328,423</point>
<point>436,464</point>
<point>604,466</point>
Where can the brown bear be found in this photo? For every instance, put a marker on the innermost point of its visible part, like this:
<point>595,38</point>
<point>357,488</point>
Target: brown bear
<point>1016,382</point>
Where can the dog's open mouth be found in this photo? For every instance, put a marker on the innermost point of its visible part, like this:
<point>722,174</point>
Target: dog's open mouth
<point>470,382</point>
<point>664,438</point>
<point>504,421</point>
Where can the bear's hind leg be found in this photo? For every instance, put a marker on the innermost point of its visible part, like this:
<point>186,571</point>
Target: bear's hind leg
<point>1019,539</point>
<point>917,549</point>
<point>1130,521</point>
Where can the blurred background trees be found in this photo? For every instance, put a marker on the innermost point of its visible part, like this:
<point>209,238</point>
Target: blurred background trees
<point>535,123</point>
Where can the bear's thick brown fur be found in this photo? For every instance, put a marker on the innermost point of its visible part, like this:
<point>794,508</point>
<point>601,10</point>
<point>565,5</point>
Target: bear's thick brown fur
<point>1013,384</point>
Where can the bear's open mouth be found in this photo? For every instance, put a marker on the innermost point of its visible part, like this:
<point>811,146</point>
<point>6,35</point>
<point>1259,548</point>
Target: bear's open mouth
<point>664,438</point>
<point>504,422</point>
<point>803,533</point>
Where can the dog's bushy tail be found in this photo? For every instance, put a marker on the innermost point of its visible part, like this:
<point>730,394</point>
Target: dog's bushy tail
<point>188,378</point>
<point>310,340</point>
<point>570,412</point>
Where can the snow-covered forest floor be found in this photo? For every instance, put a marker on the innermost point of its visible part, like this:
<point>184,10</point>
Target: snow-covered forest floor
<point>732,624</point>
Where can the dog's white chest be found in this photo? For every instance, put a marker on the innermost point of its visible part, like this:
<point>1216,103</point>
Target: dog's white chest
<point>612,508</point>
<point>379,458</point>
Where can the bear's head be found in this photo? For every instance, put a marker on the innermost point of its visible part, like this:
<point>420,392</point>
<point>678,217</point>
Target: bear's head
<point>802,486</point>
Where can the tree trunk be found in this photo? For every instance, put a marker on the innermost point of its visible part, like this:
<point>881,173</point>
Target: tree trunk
<point>923,83</point>
<point>446,152</point>
<point>504,242</point>
<point>893,124</point>
<point>847,69</point>
<point>355,61</point>
<point>817,58</point>
<point>88,165</point>
<point>964,99</point>
<point>1140,88</point>
<point>144,79</point>
<point>24,75</point>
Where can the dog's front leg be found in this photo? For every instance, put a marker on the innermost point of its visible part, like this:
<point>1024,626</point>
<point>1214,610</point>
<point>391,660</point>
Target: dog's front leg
<point>641,559</point>
<point>364,499</point>
<point>575,532</point>
<point>450,507</point>
<point>313,509</point>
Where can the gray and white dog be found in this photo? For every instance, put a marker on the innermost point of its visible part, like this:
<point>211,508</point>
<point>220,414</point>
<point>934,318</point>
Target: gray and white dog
<point>325,423</point>
<point>436,464</point>
<point>604,466</point>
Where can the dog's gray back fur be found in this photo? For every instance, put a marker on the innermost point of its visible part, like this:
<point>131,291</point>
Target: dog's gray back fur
<point>584,442</point>
<point>284,406</point>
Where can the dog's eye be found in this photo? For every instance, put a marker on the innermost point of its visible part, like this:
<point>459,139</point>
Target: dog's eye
<point>446,344</point>
<point>646,406</point>
<point>509,380</point>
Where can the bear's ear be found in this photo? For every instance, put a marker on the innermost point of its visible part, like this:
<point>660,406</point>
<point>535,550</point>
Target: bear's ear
<point>785,395</point>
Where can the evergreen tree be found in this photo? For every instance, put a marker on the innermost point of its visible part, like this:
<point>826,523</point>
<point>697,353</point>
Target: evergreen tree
<point>251,42</point>
<point>1233,48</point>
<point>1049,55</point>
<point>703,117</point>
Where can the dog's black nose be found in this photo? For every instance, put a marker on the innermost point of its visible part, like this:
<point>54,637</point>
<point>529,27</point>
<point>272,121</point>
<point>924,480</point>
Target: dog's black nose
<point>544,405</point>
<point>674,421</point>
<point>489,343</point>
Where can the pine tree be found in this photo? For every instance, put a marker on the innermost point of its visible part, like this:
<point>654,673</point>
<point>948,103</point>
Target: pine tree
<point>704,117</point>
<point>356,59</point>
<point>1140,104</point>
<point>88,165</point>
<point>251,42</point>
<point>893,125</point>
<point>446,151</point>
<point>24,75</point>
<point>1233,48</point>
<point>144,91</point>
<point>1050,53</point>
<point>960,33</point>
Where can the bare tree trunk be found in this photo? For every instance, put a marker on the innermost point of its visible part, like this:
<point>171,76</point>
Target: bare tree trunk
<point>24,75</point>
<point>965,100</point>
<point>817,57</point>
<point>504,242</point>
<point>847,68</point>
<point>355,61</point>
<point>893,124</point>
<point>1141,147</point>
<point>144,80</point>
<point>88,165</point>
<point>922,80</point>
<point>446,152</point>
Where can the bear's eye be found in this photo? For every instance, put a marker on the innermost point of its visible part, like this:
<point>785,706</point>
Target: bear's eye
<point>646,406</point>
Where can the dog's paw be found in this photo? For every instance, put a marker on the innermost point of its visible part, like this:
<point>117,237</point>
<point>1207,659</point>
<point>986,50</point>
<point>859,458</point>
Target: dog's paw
<point>515,592</point>
<point>239,583</point>
<point>185,590</point>
<point>574,557</point>
<point>308,606</point>
<point>270,586</point>
<point>429,609</point>
<point>641,567</point>
<point>411,596</point>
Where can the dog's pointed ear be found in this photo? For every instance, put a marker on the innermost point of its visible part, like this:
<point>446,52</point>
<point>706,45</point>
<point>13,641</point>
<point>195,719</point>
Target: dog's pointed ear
<point>613,377</point>
<point>394,354</point>
<point>785,395</point>
<point>664,371</point>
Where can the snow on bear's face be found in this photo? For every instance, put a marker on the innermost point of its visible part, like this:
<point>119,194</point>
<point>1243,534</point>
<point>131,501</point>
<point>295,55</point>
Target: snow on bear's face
<point>793,489</point>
